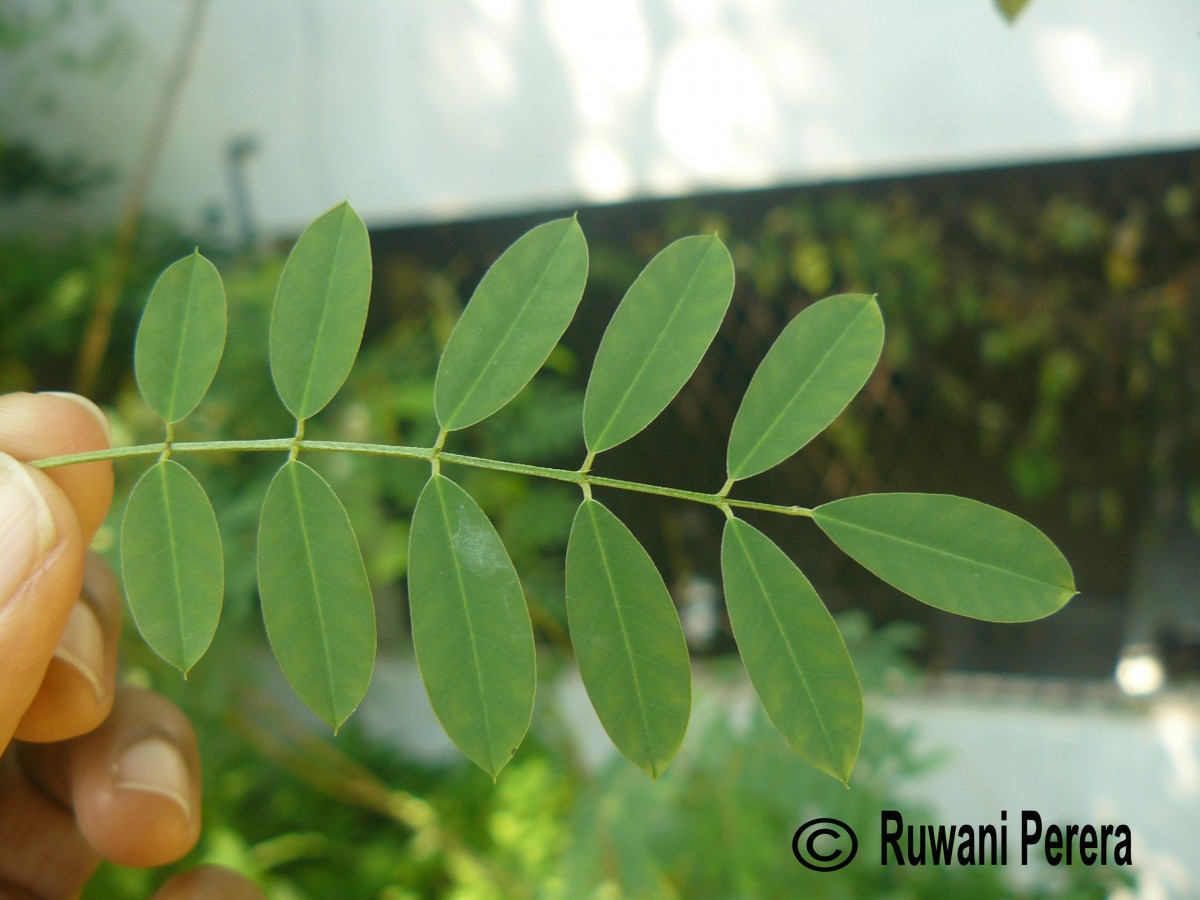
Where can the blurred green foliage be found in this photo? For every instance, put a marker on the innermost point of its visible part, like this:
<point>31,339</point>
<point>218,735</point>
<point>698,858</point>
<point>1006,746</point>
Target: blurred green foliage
<point>46,292</point>
<point>40,47</point>
<point>310,816</point>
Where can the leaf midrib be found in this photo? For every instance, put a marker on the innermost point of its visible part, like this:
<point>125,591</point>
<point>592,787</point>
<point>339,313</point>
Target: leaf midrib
<point>825,733</point>
<point>174,557</point>
<point>817,515</point>
<point>176,370</point>
<point>325,312</point>
<point>462,594</point>
<point>650,355</point>
<point>637,685</point>
<point>312,573</point>
<point>512,326</point>
<point>783,413</point>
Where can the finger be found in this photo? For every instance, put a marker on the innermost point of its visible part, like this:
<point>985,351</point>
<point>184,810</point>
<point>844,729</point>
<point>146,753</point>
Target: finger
<point>54,859</point>
<point>35,426</point>
<point>133,783</point>
<point>209,883</point>
<point>77,690</point>
<point>41,574</point>
<point>41,542</point>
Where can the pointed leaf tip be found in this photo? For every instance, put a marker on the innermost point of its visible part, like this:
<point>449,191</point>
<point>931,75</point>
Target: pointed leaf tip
<point>952,553</point>
<point>513,321</point>
<point>1011,9</point>
<point>471,629</point>
<point>813,370</point>
<point>181,337</point>
<point>628,641</point>
<point>656,339</point>
<point>172,564</point>
<point>316,600</point>
<point>320,311</point>
<point>793,651</point>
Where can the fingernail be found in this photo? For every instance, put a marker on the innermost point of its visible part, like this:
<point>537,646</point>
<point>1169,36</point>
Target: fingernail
<point>27,531</point>
<point>154,766</point>
<point>97,412</point>
<point>82,645</point>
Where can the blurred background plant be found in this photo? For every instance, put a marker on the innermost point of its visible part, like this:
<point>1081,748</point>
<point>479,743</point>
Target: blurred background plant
<point>313,816</point>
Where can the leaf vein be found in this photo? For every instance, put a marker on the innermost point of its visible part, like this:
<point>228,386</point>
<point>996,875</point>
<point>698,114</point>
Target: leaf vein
<point>462,596</point>
<point>316,354</point>
<point>512,326</point>
<point>799,392</point>
<point>311,570</point>
<point>825,733</point>
<point>641,371</point>
<point>939,551</point>
<point>637,686</point>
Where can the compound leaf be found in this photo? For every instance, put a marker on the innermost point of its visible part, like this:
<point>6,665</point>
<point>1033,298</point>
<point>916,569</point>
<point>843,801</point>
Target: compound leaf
<point>815,367</point>
<point>172,563</point>
<point>316,601</point>
<point>628,641</point>
<point>470,626</point>
<point>953,553</point>
<point>181,337</point>
<point>320,311</point>
<point>792,650</point>
<point>656,338</point>
<point>518,312</point>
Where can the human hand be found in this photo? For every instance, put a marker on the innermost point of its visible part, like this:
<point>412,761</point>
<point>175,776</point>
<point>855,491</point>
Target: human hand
<point>88,770</point>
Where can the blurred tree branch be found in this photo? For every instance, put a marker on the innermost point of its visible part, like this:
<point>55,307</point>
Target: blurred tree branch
<point>104,306</point>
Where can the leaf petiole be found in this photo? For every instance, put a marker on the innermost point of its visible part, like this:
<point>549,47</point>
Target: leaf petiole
<point>571,476</point>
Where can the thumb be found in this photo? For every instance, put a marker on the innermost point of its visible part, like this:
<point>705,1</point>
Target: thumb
<point>41,573</point>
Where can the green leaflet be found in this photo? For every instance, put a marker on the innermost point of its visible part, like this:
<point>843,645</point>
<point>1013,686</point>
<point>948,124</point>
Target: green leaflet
<point>656,338</point>
<point>956,554</point>
<point>1010,9</point>
<point>470,626</point>
<point>181,337</point>
<point>627,638</point>
<point>316,601</point>
<point>815,367</point>
<point>320,311</point>
<point>172,564</point>
<point>792,650</point>
<point>521,308</point>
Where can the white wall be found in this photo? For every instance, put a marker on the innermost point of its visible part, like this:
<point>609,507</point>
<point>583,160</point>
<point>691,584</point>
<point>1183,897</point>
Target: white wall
<point>1073,759</point>
<point>420,111</point>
